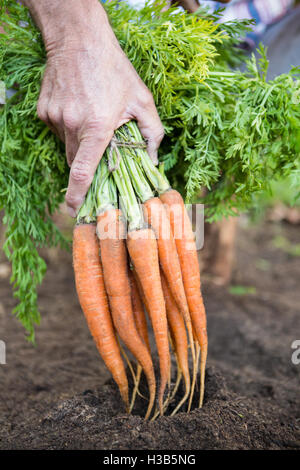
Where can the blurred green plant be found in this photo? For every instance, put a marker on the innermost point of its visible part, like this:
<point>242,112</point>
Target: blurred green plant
<point>263,264</point>
<point>285,245</point>
<point>282,191</point>
<point>242,290</point>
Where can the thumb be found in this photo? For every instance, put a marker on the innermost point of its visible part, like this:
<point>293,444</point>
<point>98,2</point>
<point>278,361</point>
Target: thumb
<point>82,170</point>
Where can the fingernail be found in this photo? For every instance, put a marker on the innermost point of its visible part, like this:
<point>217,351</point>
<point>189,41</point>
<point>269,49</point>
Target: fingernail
<point>71,211</point>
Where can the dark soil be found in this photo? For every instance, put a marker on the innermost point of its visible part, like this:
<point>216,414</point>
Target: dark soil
<point>59,395</point>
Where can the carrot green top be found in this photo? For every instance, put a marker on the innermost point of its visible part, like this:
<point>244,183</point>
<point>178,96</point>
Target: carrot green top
<point>156,178</point>
<point>86,214</point>
<point>104,188</point>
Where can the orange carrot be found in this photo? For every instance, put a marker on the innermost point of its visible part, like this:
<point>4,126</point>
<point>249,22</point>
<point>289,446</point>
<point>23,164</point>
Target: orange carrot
<point>141,325</point>
<point>93,301</point>
<point>138,310</point>
<point>114,261</point>
<point>178,333</point>
<point>158,218</point>
<point>140,289</point>
<point>142,248</point>
<point>187,252</point>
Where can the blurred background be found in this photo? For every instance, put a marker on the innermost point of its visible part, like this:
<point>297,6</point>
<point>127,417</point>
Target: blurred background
<point>250,274</point>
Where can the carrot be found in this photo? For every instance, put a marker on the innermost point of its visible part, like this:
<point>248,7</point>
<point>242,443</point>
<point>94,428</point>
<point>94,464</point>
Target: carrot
<point>138,310</point>
<point>178,333</point>
<point>111,232</point>
<point>141,325</point>
<point>187,253</point>
<point>93,301</point>
<point>142,246</point>
<point>140,288</point>
<point>179,373</point>
<point>186,248</point>
<point>158,218</point>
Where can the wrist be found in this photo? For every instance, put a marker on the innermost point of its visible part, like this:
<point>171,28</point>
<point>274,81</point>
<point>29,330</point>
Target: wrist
<point>67,25</point>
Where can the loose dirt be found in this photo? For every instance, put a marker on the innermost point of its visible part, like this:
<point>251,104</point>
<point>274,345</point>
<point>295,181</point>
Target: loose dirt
<point>58,395</point>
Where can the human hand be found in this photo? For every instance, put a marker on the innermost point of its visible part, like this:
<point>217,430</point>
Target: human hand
<point>90,89</point>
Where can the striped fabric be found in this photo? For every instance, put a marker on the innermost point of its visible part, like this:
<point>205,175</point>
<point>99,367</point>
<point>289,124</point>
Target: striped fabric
<point>264,12</point>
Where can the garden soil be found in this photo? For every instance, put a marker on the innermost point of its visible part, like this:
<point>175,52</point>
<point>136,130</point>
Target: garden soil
<point>58,394</point>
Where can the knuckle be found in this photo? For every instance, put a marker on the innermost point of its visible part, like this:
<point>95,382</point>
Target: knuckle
<point>100,124</point>
<point>104,133</point>
<point>79,173</point>
<point>146,99</point>
<point>71,121</point>
<point>73,200</point>
<point>99,129</point>
<point>54,115</point>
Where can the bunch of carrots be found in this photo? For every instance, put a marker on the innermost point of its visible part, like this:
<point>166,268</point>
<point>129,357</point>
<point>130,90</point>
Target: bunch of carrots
<point>134,255</point>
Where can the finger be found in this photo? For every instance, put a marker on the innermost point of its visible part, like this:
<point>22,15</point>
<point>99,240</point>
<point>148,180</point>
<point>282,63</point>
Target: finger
<point>72,145</point>
<point>83,168</point>
<point>72,122</point>
<point>151,128</point>
<point>53,128</point>
<point>43,114</point>
<point>55,118</point>
<point>44,102</point>
<point>44,99</point>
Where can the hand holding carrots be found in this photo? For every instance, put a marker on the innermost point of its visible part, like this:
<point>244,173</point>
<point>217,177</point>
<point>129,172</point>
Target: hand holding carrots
<point>144,270</point>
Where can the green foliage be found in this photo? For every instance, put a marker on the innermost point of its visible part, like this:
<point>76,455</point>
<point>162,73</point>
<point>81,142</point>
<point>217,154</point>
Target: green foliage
<point>241,290</point>
<point>228,131</point>
<point>283,191</point>
<point>282,243</point>
<point>32,167</point>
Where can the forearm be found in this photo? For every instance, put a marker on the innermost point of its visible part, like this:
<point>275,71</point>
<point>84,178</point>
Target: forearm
<point>64,22</point>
